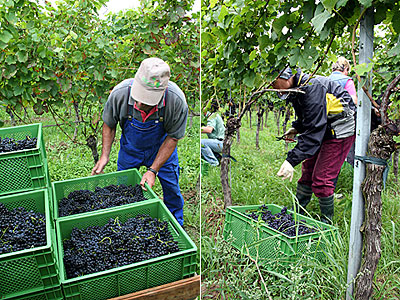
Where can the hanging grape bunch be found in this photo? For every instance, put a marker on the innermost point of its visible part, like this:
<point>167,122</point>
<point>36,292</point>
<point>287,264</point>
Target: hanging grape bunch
<point>282,221</point>
<point>99,248</point>
<point>21,229</point>
<point>10,144</point>
<point>113,195</point>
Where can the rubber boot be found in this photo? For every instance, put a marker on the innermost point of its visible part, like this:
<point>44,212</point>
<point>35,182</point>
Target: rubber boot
<point>327,207</point>
<point>303,195</point>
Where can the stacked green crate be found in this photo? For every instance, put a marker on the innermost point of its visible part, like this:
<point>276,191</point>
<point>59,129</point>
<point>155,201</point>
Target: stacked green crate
<point>133,277</point>
<point>35,270</point>
<point>273,247</point>
<point>62,189</point>
<point>23,170</point>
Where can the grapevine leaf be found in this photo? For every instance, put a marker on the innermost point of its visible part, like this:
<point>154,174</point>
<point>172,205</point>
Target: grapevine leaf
<point>223,13</point>
<point>329,4</point>
<point>249,78</point>
<point>5,36</point>
<point>22,56</point>
<point>319,20</point>
<point>11,18</point>
<point>363,69</point>
<point>366,3</point>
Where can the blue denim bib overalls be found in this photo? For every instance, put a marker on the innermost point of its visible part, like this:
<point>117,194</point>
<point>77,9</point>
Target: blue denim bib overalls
<point>140,142</point>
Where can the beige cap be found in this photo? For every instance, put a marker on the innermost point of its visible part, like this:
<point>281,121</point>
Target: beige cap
<point>151,80</point>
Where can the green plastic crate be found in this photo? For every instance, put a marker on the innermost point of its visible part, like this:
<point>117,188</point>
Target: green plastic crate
<point>23,170</point>
<point>62,189</point>
<point>29,270</point>
<point>48,294</point>
<point>271,246</point>
<point>134,277</point>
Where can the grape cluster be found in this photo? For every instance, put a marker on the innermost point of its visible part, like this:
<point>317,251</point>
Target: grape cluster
<point>282,221</point>
<point>21,229</point>
<point>113,195</point>
<point>99,248</point>
<point>10,144</point>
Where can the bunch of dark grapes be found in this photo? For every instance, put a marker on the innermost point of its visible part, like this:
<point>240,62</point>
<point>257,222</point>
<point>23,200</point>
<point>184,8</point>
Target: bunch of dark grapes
<point>113,195</point>
<point>282,221</point>
<point>99,248</point>
<point>10,144</point>
<point>21,229</point>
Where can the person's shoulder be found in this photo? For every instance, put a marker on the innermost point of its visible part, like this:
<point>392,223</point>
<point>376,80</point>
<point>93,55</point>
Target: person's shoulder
<point>175,91</point>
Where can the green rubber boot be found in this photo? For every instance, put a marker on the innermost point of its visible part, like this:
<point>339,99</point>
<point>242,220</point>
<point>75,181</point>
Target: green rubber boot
<point>327,207</point>
<point>303,195</point>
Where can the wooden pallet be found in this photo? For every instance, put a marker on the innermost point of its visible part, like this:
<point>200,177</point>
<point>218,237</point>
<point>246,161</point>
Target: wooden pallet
<point>185,289</point>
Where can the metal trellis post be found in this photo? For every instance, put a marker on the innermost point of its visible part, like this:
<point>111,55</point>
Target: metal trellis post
<point>363,129</point>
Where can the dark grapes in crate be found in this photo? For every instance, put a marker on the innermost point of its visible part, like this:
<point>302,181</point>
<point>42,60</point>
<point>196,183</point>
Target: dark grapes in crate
<point>282,221</point>
<point>21,229</point>
<point>10,144</point>
<point>99,248</point>
<point>110,196</point>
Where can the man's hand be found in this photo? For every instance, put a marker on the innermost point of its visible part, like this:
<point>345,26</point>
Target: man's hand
<point>286,171</point>
<point>148,177</point>
<point>291,133</point>
<point>99,167</point>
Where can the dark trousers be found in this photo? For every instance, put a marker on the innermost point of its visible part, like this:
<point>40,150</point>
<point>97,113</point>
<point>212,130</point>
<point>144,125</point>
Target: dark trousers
<point>321,170</point>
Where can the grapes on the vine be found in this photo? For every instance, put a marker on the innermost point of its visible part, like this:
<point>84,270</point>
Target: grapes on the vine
<point>99,248</point>
<point>282,221</point>
<point>21,229</point>
<point>113,195</point>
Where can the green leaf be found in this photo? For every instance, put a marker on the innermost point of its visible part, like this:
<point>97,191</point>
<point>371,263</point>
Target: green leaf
<point>395,50</point>
<point>253,55</point>
<point>10,59</point>
<point>249,78</point>
<point>366,3</point>
<point>9,3</point>
<point>11,18</point>
<point>341,3</point>
<point>5,36</point>
<point>363,69</point>
<point>213,3</point>
<point>396,21</point>
<point>73,35</point>
<point>206,37</point>
<point>329,4</point>
<point>319,20</point>
<point>223,13</point>
<point>22,56</point>
<point>18,90</point>
<point>263,41</point>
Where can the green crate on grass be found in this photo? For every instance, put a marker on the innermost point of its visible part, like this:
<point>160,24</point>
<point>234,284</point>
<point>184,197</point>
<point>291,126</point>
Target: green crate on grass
<point>271,246</point>
<point>134,277</point>
<point>23,170</point>
<point>30,270</point>
<point>62,189</point>
<point>47,294</point>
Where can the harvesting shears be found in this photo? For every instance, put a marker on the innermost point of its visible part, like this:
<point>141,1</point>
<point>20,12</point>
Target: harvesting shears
<point>285,138</point>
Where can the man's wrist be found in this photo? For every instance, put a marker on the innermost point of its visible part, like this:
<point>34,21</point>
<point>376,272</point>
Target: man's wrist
<point>152,170</point>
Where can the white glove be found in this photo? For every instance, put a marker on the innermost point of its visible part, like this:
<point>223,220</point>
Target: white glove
<point>286,171</point>
<point>291,133</point>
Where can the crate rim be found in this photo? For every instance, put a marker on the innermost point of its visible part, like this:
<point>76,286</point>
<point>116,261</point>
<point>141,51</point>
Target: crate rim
<point>39,139</point>
<point>29,251</point>
<point>331,228</point>
<point>192,250</point>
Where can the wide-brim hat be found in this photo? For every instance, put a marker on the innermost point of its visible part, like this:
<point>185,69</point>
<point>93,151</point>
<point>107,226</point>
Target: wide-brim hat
<point>150,81</point>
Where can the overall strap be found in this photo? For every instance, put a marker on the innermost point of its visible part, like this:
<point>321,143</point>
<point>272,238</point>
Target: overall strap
<point>129,113</point>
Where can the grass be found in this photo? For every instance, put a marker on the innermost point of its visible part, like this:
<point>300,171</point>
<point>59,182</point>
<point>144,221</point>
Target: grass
<point>229,274</point>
